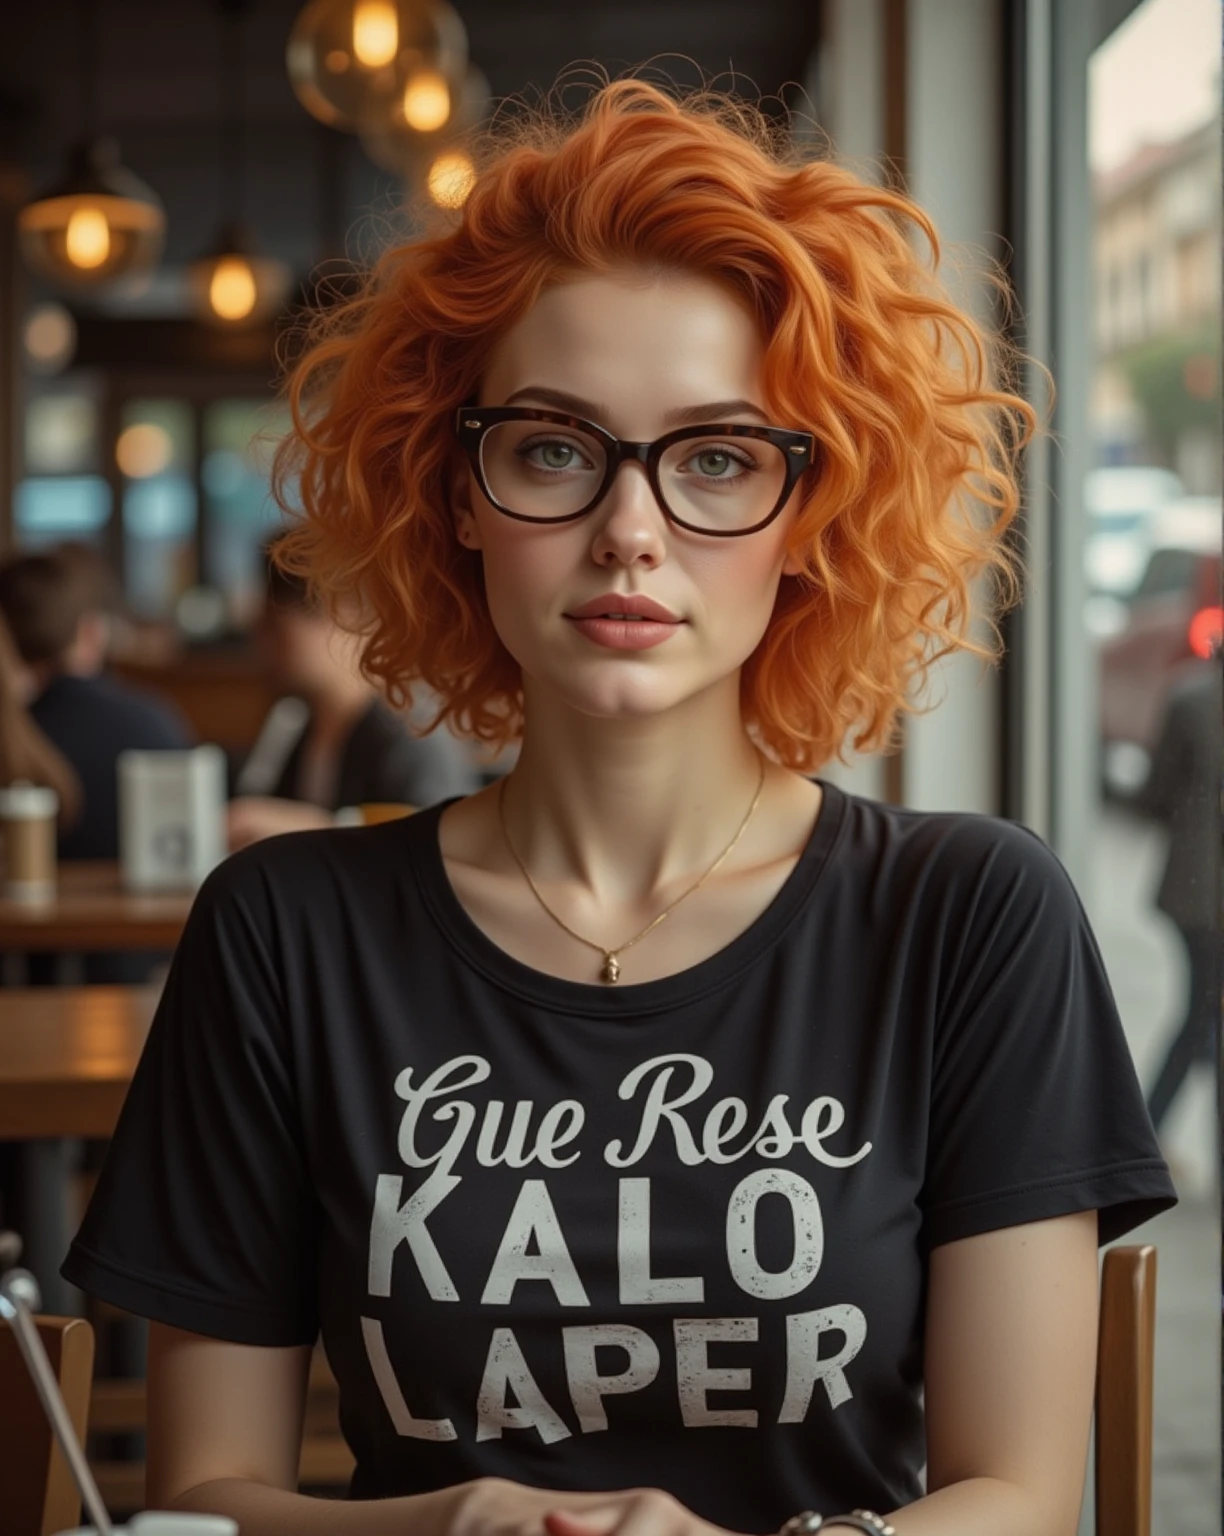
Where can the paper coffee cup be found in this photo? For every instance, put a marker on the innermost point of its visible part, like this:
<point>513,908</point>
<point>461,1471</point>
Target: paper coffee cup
<point>27,817</point>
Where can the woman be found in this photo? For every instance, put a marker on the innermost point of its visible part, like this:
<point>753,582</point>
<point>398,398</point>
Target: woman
<point>648,1133</point>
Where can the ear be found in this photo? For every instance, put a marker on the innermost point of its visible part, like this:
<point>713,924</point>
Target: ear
<point>792,566</point>
<point>466,529</point>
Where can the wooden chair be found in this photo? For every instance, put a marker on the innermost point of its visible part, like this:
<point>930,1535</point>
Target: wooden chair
<point>40,1495</point>
<point>375,811</point>
<point>1125,1361</point>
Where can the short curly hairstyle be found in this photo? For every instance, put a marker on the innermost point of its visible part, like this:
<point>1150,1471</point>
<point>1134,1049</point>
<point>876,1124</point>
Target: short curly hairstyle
<point>907,395</point>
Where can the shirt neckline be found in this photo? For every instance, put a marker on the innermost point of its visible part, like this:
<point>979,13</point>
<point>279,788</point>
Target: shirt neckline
<point>625,999</point>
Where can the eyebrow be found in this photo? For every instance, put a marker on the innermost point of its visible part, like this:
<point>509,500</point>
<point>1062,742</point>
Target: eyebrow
<point>689,415</point>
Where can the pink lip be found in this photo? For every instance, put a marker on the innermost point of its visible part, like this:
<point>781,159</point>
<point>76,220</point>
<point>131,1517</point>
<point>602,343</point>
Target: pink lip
<point>624,634</point>
<point>624,602</point>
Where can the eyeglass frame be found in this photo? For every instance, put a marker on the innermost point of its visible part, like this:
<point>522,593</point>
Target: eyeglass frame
<point>472,423</point>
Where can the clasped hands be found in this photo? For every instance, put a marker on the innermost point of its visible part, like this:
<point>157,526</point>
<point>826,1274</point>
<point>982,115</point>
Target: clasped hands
<point>495,1507</point>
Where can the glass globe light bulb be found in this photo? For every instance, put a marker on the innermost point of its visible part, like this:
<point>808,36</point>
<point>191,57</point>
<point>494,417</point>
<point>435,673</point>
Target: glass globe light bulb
<point>350,60</point>
<point>87,240</point>
<point>375,33</point>
<point>426,103</point>
<point>231,290</point>
<point>450,178</point>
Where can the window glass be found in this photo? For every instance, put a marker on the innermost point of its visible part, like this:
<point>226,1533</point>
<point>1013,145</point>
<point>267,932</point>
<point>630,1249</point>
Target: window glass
<point>155,453</point>
<point>61,434</point>
<point>1152,573</point>
<point>48,509</point>
<point>240,438</point>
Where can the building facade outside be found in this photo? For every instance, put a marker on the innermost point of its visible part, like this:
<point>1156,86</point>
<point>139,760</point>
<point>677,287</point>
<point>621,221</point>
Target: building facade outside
<point>1156,270</point>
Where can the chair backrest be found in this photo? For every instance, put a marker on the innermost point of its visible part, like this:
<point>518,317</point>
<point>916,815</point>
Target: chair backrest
<point>1125,1357</point>
<point>40,1495</point>
<point>375,811</point>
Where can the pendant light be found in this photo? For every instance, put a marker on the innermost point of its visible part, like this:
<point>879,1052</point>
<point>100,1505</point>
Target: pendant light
<point>232,285</point>
<point>347,59</point>
<point>98,223</point>
<point>423,120</point>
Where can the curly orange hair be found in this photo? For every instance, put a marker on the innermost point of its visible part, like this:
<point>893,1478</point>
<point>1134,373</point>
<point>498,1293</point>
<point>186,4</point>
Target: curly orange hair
<point>864,347</point>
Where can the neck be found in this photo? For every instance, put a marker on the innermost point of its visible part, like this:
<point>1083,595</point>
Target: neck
<point>628,807</point>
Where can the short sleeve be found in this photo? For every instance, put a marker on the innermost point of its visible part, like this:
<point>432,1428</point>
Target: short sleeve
<point>203,1215</point>
<point>1036,1110</point>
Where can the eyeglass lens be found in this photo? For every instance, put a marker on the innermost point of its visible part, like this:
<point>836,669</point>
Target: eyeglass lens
<point>544,470</point>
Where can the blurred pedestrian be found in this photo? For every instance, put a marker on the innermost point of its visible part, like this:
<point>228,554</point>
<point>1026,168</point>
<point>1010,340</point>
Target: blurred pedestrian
<point>330,740</point>
<point>1183,791</point>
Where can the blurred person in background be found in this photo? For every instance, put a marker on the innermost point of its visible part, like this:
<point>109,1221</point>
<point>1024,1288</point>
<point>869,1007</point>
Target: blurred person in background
<point>331,741</point>
<point>26,754</point>
<point>58,605</point>
<point>1183,792</point>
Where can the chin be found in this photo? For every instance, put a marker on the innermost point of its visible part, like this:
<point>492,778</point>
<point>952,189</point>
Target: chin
<point>627,696</point>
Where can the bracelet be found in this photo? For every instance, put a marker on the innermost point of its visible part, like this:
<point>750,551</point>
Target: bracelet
<point>809,1522</point>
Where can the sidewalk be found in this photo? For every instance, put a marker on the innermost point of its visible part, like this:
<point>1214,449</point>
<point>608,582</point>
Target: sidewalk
<point>1143,955</point>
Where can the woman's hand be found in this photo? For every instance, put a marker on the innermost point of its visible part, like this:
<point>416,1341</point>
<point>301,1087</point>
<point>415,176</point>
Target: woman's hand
<point>492,1506</point>
<point>252,817</point>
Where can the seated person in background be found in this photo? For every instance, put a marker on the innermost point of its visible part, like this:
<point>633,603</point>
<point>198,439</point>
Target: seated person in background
<point>58,605</point>
<point>332,741</point>
<point>25,753</point>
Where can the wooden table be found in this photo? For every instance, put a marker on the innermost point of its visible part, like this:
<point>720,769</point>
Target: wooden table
<point>67,1055</point>
<point>91,911</point>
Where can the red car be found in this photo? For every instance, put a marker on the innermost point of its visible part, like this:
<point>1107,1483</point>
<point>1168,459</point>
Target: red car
<point>1175,614</point>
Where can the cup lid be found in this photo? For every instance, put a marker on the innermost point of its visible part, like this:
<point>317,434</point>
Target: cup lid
<point>27,802</point>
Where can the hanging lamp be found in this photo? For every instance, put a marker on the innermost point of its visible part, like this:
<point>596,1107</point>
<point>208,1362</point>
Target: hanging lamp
<point>348,58</point>
<point>424,119</point>
<point>98,223</point>
<point>232,285</point>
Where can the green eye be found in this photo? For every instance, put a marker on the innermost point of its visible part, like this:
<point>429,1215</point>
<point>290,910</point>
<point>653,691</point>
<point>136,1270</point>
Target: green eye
<point>713,463</point>
<point>556,455</point>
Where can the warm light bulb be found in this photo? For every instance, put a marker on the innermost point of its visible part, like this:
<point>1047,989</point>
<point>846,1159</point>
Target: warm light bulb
<point>231,289</point>
<point>375,33</point>
<point>427,101</point>
<point>88,238</point>
<point>143,449</point>
<point>451,177</point>
<point>50,338</point>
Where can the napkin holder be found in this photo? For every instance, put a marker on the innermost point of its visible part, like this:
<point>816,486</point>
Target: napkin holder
<point>171,817</point>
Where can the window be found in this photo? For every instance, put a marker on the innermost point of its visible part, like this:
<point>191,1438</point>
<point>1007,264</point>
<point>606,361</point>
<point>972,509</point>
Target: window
<point>239,440</point>
<point>155,452</point>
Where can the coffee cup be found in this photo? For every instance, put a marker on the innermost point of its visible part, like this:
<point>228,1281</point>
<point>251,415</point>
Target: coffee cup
<point>27,817</point>
<point>154,1523</point>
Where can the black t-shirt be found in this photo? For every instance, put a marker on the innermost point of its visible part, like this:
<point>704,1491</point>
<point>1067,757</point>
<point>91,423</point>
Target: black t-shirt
<point>670,1234</point>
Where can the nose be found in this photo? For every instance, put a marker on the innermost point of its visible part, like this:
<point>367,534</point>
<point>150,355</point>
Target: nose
<point>630,524</point>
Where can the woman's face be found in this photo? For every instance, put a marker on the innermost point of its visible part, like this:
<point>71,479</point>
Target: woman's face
<point>639,355</point>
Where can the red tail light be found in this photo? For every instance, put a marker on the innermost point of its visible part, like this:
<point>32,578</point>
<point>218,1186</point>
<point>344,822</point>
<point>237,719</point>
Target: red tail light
<point>1206,631</point>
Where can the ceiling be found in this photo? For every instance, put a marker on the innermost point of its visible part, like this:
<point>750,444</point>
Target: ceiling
<point>309,190</point>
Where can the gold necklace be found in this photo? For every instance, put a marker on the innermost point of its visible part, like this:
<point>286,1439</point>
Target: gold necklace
<point>611,966</point>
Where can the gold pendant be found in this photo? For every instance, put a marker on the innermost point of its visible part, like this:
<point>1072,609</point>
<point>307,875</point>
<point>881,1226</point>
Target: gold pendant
<point>611,967</point>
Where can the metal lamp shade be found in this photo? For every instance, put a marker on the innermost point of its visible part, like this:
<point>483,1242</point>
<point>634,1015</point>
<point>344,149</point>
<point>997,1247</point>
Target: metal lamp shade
<point>98,225</point>
<point>345,56</point>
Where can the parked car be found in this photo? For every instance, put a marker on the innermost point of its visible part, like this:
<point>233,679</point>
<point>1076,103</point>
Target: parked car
<point>1121,502</point>
<point>1174,614</point>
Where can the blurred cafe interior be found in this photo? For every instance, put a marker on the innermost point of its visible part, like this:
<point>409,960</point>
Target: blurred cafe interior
<point>179,182</point>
